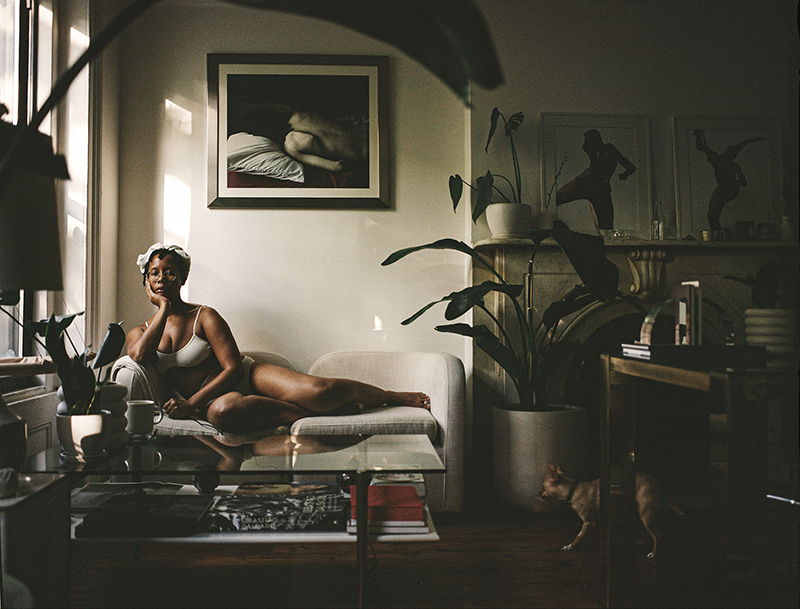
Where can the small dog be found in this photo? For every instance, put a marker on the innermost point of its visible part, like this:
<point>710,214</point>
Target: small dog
<point>584,497</point>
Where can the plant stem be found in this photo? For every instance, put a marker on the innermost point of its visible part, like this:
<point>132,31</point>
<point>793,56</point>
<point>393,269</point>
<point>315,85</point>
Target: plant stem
<point>500,192</point>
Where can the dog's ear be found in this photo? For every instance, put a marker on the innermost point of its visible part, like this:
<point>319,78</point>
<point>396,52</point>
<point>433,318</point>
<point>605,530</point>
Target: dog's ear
<point>552,471</point>
<point>560,470</point>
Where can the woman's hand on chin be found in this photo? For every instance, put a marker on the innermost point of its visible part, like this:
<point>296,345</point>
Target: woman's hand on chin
<point>155,298</point>
<point>177,408</point>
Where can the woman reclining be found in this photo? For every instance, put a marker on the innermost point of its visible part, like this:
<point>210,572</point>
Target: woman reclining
<point>193,348</point>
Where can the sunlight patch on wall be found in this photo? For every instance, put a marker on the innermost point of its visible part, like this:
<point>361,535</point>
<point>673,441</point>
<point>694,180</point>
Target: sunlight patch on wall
<point>177,210</point>
<point>179,118</point>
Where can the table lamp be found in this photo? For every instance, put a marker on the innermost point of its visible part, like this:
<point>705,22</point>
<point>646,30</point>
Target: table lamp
<point>30,253</point>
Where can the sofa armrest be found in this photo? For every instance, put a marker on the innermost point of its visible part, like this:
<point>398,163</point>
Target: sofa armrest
<point>143,382</point>
<point>440,375</point>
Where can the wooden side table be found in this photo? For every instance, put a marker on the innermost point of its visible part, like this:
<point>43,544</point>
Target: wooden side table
<point>740,395</point>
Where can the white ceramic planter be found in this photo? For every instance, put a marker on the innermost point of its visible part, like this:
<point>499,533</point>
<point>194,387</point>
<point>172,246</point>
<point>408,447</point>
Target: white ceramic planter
<point>509,220</point>
<point>112,400</point>
<point>82,436</point>
<point>525,443</point>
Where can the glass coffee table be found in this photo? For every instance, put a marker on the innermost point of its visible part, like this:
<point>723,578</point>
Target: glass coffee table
<point>209,462</point>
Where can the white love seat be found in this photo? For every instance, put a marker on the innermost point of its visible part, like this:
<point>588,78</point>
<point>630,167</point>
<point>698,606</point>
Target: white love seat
<point>440,375</point>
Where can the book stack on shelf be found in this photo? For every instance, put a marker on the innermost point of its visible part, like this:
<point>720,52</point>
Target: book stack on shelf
<point>698,356</point>
<point>688,313</point>
<point>689,349</point>
<point>393,509</point>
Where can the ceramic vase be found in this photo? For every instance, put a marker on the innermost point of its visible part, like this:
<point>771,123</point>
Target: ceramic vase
<point>526,443</point>
<point>547,218</point>
<point>509,220</point>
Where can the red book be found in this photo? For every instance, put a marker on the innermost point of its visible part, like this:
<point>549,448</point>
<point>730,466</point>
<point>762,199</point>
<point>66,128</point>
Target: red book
<point>390,502</point>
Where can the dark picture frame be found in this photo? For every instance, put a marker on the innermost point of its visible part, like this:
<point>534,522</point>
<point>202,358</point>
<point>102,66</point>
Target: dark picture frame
<point>753,145</point>
<point>297,131</point>
<point>564,136</point>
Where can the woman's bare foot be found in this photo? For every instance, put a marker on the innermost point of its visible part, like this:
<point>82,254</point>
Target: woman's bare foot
<point>408,398</point>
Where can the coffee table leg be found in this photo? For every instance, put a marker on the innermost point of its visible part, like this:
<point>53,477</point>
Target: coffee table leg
<point>362,484</point>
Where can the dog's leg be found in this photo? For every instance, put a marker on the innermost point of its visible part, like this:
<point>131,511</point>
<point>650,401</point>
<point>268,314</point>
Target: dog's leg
<point>584,529</point>
<point>654,533</point>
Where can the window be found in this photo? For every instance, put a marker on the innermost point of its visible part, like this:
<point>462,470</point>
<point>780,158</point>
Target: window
<point>27,65</point>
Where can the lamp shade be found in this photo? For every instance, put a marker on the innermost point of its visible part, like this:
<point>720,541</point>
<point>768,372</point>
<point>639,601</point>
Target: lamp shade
<point>30,251</point>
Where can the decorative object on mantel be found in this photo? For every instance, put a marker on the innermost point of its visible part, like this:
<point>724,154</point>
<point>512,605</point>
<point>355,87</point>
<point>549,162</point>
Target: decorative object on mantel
<point>773,321</point>
<point>597,147</point>
<point>787,230</point>
<point>510,218</point>
<point>531,433</point>
<point>727,170</point>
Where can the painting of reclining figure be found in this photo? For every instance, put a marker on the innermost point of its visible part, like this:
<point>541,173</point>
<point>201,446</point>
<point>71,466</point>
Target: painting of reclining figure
<point>296,131</point>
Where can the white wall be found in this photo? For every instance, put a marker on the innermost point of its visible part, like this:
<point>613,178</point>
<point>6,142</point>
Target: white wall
<point>299,283</point>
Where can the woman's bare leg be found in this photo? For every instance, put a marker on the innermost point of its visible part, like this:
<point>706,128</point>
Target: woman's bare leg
<point>237,413</point>
<point>327,395</point>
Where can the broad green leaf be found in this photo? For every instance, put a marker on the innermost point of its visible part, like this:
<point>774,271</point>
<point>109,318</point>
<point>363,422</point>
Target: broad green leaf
<point>587,255</point>
<point>561,308</point>
<point>484,186</point>
<point>488,343</point>
<point>456,189</point>
<point>441,244</point>
<point>419,313</point>
<point>463,300</point>
<point>492,127</point>
<point>111,347</point>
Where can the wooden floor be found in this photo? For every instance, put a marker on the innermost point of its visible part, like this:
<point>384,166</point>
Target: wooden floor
<point>488,557</point>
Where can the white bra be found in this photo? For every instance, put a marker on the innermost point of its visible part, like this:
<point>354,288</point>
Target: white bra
<point>191,354</point>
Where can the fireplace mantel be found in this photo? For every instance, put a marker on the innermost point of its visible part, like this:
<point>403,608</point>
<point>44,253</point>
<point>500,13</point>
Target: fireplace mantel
<point>654,266</point>
<point>648,270</point>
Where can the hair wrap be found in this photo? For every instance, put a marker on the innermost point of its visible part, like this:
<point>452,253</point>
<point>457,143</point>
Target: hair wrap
<point>144,259</point>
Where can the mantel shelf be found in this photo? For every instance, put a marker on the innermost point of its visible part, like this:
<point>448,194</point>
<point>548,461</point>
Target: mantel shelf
<point>646,244</point>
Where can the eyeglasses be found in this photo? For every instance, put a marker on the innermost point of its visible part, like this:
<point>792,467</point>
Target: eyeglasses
<point>166,274</point>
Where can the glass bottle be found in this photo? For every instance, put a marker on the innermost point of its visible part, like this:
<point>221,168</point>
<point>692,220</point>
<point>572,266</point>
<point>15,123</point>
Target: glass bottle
<point>657,224</point>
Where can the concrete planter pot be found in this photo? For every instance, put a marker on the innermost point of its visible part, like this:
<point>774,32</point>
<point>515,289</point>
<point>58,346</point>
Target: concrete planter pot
<point>525,443</point>
<point>509,220</point>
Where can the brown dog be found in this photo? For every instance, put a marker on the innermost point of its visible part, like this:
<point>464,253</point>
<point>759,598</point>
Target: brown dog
<point>584,497</point>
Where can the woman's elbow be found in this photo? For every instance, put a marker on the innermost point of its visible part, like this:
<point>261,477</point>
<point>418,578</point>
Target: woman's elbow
<point>138,356</point>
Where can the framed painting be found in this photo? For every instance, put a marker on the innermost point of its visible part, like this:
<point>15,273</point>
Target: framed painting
<point>595,172</point>
<point>727,170</point>
<point>297,131</point>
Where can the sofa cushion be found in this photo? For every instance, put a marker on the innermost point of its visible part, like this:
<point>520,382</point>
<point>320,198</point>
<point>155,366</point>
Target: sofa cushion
<point>395,420</point>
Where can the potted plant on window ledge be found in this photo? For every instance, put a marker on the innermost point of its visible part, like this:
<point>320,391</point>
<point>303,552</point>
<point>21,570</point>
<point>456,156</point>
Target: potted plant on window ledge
<point>509,218</point>
<point>91,412</point>
<point>530,433</point>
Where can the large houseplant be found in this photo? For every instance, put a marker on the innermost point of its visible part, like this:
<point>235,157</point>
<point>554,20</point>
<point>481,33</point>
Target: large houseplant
<point>527,357</point>
<point>509,217</point>
<point>530,433</point>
